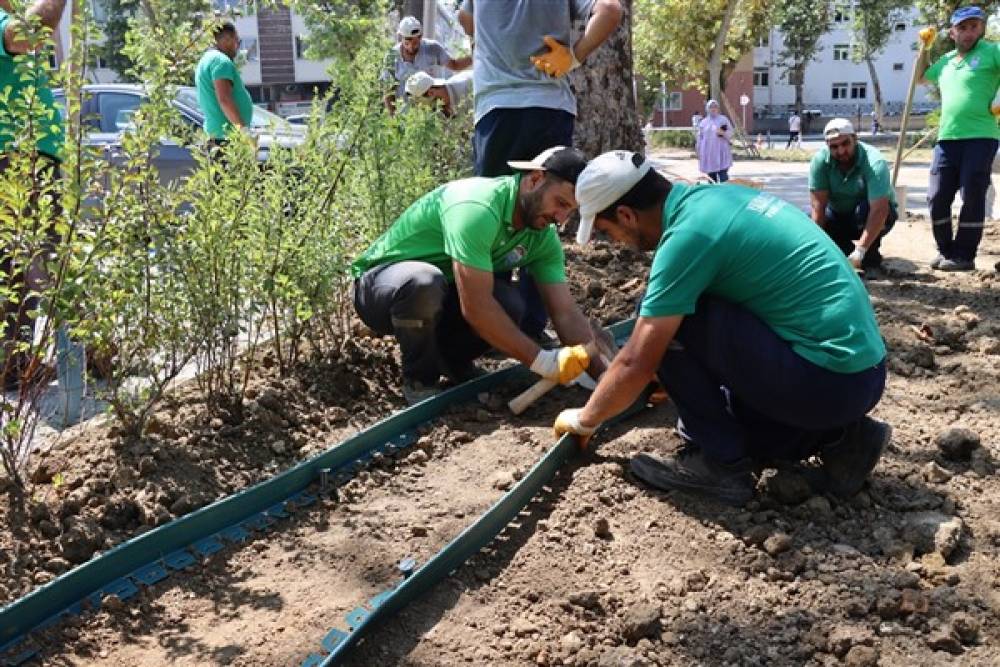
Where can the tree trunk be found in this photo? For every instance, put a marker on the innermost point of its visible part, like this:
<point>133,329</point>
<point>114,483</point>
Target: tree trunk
<point>799,72</point>
<point>876,89</point>
<point>715,62</point>
<point>607,118</point>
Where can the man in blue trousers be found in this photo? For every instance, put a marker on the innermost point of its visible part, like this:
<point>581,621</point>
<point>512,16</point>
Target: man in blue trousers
<point>755,323</point>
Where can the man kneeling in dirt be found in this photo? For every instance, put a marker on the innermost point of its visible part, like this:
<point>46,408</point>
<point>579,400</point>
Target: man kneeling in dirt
<point>757,326</point>
<point>851,194</point>
<point>440,278</point>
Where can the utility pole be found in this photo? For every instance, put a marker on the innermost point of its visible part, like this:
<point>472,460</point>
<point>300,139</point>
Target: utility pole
<point>430,18</point>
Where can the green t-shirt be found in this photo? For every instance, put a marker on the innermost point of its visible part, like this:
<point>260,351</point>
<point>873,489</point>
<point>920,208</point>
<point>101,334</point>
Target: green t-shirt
<point>968,86</point>
<point>868,178</point>
<point>758,251</point>
<point>469,221</point>
<point>49,138</point>
<point>215,65</point>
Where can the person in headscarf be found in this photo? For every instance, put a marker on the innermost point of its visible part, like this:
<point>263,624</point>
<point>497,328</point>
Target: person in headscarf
<point>715,154</point>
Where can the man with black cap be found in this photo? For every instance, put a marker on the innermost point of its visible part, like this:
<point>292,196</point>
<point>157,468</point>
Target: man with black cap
<point>851,193</point>
<point>438,279</point>
<point>754,322</point>
<point>968,78</point>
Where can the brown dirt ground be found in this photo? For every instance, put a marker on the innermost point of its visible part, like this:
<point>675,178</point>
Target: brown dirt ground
<point>598,570</point>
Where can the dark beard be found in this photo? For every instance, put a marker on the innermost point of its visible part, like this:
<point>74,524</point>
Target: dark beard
<point>531,205</point>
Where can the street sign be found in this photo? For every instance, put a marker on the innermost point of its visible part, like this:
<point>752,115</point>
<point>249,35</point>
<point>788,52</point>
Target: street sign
<point>744,100</point>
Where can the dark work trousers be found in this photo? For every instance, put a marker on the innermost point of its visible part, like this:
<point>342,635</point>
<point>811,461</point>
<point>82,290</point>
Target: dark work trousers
<point>415,303</point>
<point>720,176</point>
<point>742,392</point>
<point>846,228</point>
<point>27,273</point>
<point>965,164</point>
<point>521,134</point>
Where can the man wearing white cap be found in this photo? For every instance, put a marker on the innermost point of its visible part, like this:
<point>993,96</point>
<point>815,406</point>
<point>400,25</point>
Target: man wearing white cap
<point>851,193</point>
<point>759,329</point>
<point>439,278</point>
<point>414,54</point>
<point>452,92</point>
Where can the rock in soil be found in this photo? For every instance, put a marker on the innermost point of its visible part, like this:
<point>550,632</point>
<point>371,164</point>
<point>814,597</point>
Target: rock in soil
<point>641,621</point>
<point>957,444</point>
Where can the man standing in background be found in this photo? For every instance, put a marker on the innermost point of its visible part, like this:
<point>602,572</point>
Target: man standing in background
<point>222,96</point>
<point>968,78</point>
<point>21,269</point>
<point>523,100</point>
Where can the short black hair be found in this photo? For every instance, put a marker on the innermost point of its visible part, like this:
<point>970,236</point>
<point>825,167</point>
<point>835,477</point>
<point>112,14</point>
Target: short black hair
<point>227,28</point>
<point>651,190</point>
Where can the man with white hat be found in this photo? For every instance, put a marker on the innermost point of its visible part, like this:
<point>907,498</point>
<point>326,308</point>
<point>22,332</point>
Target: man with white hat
<point>414,54</point>
<point>439,278</point>
<point>759,329</point>
<point>452,92</point>
<point>968,78</point>
<point>851,193</point>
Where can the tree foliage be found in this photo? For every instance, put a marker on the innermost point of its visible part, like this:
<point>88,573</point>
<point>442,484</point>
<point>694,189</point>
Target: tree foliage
<point>673,39</point>
<point>872,26</point>
<point>802,23</point>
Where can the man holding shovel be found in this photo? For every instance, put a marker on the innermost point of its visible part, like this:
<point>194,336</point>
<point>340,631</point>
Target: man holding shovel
<point>968,78</point>
<point>438,279</point>
<point>753,321</point>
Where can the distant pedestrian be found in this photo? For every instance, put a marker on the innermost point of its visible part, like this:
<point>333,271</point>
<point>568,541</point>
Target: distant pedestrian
<point>222,95</point>
<point>968,78</point>
<point>414,54</point>
<point>713,145</point>
<point>794,131</point>
<point>696,120</point>
<point>875,124</point>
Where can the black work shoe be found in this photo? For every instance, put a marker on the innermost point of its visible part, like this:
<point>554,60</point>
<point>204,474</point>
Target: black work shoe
<point>956,265</point>
<point>847,462</point>
<point>415,391</point>
<point>693,472</point>
<point>459,373</point>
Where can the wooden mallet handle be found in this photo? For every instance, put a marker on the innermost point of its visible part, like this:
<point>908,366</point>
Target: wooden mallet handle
<point>526,398</point>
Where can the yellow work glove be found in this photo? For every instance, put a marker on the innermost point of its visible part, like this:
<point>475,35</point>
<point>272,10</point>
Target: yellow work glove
<point>568,421</point>
<point>559,59</point>
<point>927,36</point>
<point>562,365</point>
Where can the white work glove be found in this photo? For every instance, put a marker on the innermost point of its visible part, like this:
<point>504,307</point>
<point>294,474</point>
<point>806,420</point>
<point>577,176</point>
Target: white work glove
<point>855,257</point>
<point>562,365</point>
<point>568,421</point>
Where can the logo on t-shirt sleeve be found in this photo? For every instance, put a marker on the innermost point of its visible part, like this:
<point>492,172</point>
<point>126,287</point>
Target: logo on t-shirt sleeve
<point>512,259</point>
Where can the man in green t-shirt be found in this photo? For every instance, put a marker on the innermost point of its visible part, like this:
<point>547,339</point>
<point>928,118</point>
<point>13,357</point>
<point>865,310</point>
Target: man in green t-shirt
<point>25,91</point>
<point>851,194</point>
<point>222,96</point>
<point>967,78</point>
<point>755,323</point>
<point>439,278</point>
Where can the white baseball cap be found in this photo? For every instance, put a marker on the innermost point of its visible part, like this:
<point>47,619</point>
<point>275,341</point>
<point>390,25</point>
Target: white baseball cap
<point>606,179</point>
<point>418,84</point>
<point>410,26</point>
<point>838,127</point>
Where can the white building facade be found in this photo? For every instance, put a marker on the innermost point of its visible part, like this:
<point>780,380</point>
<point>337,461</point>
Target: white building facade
<point>834,85</point>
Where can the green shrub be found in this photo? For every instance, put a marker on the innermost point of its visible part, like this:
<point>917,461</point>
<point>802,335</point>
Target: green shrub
<point>671,138</point>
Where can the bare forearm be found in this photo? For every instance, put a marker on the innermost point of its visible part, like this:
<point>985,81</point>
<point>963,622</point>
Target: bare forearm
<point>617,390</point>
<point>48,11</point>
<point>818,205</point>
<point>493,325</point>
<point>231,112</point>
<point>923,63</point>
<point>603,21</point>
<point>877,216</point>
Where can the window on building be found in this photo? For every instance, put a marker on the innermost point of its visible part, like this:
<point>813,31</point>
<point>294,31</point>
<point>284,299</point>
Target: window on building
<point>841,51</point>
<point>900,27</point>
<point>859,91</point>
<point>897,67</point>
<point>674,102</point>
<point>764,40</point>
<point>841,12</point>
<point>100,62</point>
<point>761,76</point>
<point>99,11</point>
<point>301,44</point>
<point>839,91</point>
<point>249,44</point>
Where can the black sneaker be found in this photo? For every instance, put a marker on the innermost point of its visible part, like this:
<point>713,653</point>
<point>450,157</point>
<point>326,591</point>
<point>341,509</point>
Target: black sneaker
<point>848,462</point>
<point>415,391</point>
<point>956,265</point>
<point>693,472</point>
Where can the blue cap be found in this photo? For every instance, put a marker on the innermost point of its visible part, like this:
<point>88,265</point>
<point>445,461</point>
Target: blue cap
<point>965,13</point>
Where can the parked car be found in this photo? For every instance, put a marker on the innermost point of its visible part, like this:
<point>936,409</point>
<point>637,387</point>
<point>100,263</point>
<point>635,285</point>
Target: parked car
<point>298,119</point>
<point>108,111</point>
